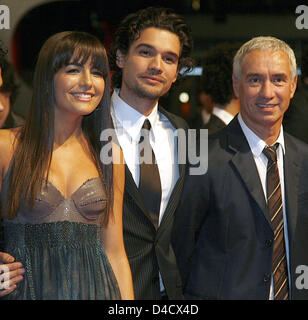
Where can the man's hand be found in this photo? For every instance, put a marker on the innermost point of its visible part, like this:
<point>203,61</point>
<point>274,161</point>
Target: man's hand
<point>10,273</point>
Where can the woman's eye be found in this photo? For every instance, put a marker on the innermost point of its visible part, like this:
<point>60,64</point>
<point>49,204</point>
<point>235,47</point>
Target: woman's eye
<point>98,73</point>
<point>72,70</point>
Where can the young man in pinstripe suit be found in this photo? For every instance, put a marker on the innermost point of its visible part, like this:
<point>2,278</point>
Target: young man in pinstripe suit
<point>150,48</point>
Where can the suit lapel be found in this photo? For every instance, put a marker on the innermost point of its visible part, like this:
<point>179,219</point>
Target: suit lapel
<point>291,178</point>
<point>245,165</point>
<point>132,191</point>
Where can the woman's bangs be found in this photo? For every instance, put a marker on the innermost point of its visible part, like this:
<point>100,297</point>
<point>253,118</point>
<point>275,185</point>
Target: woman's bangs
<point>79,51</point>
<point>90,51</point>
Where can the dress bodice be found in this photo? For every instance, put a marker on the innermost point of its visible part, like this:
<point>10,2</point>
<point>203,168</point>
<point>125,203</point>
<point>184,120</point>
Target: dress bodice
<point>87,204</point>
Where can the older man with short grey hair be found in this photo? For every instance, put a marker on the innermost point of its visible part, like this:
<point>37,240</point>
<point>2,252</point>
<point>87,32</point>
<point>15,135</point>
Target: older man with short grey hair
<point>243,219</point>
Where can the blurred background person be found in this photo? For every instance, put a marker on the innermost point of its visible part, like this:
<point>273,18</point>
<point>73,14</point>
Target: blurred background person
<point>296,118</point>
<point>2,55</point>
<point>204,109</point>
<point>207,106</point>
<point>216,82</point>
<point>8,94</point>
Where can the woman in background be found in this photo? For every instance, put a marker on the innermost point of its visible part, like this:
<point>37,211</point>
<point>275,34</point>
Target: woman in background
<point>62,207</point>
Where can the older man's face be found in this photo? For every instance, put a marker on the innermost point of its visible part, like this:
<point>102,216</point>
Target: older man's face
<point>265,89</point>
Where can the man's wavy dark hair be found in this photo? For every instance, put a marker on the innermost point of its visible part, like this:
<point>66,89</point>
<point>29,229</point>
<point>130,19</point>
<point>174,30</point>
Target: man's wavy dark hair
<point>162,18</point>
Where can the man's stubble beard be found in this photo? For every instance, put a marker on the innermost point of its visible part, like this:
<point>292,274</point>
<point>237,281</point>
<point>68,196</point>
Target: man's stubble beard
<point>147,92</point>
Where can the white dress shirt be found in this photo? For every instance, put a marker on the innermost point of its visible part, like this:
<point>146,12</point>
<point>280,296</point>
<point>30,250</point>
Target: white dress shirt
<point>257,145</point>
<point>223,115</point>
<point>128,123</point>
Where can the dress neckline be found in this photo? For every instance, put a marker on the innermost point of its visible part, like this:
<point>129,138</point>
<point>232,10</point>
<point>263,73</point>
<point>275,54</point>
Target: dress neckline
<point>74,192</point>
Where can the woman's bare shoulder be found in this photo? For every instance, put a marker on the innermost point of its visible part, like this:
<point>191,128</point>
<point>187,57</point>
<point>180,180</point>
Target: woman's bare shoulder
<point>8,142</point>
<point>8,137</point>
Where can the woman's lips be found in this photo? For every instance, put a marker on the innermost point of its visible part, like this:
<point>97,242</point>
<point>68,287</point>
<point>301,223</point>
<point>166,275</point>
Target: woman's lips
<point>82,96</point>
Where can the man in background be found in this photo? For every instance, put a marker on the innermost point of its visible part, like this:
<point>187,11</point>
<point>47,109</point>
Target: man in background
<point>295,121</point>
<point>216,82</point>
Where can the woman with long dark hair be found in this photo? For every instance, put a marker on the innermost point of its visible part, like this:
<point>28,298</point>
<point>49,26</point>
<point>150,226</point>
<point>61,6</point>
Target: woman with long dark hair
<point>61,205</point>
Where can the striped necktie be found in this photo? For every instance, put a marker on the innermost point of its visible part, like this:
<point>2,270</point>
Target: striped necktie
<point>274,202</point>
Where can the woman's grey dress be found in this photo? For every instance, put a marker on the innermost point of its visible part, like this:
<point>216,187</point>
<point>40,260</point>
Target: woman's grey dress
<point>59,245</point>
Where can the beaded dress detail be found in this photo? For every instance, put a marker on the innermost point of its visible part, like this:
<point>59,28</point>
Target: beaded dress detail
<point>58,242</point>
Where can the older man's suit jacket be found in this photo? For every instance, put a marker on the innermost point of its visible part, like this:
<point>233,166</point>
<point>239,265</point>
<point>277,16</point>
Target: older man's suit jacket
<point>149,250</point>
<point>228,245</point>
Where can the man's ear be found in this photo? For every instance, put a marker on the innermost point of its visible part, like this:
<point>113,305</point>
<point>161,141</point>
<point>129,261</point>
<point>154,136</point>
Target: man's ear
<point>293,86</point>
<point>235,83</point>
<point>120,59</point>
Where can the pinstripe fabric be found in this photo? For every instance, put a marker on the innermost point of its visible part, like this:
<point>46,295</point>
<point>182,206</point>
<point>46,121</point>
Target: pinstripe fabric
<point>274,202</point>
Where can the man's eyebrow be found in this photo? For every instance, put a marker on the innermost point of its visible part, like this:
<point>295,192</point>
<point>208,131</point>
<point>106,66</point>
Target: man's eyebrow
<point>140,45</point>
<point>280,74</point>
<point>145,45</point>
<point>253,75</point>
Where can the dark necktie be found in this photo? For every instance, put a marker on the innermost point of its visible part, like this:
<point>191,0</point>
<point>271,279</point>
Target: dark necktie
<point>149,183</point>
<point>274,202</point>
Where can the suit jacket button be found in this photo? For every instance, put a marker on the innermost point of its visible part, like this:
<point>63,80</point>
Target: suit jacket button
<point>266,278</point>
<point>268,243</point>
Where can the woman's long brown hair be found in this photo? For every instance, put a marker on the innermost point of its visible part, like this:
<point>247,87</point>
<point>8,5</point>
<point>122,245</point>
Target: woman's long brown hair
<point>33,153</point>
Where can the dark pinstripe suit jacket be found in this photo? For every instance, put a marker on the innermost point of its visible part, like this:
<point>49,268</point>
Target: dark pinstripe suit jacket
<point>149,250</point>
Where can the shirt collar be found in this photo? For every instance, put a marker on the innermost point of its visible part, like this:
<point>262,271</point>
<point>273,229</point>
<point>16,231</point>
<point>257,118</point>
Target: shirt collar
<point>256,144</point>
<point>129,119</point>
<point>223,115</point>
